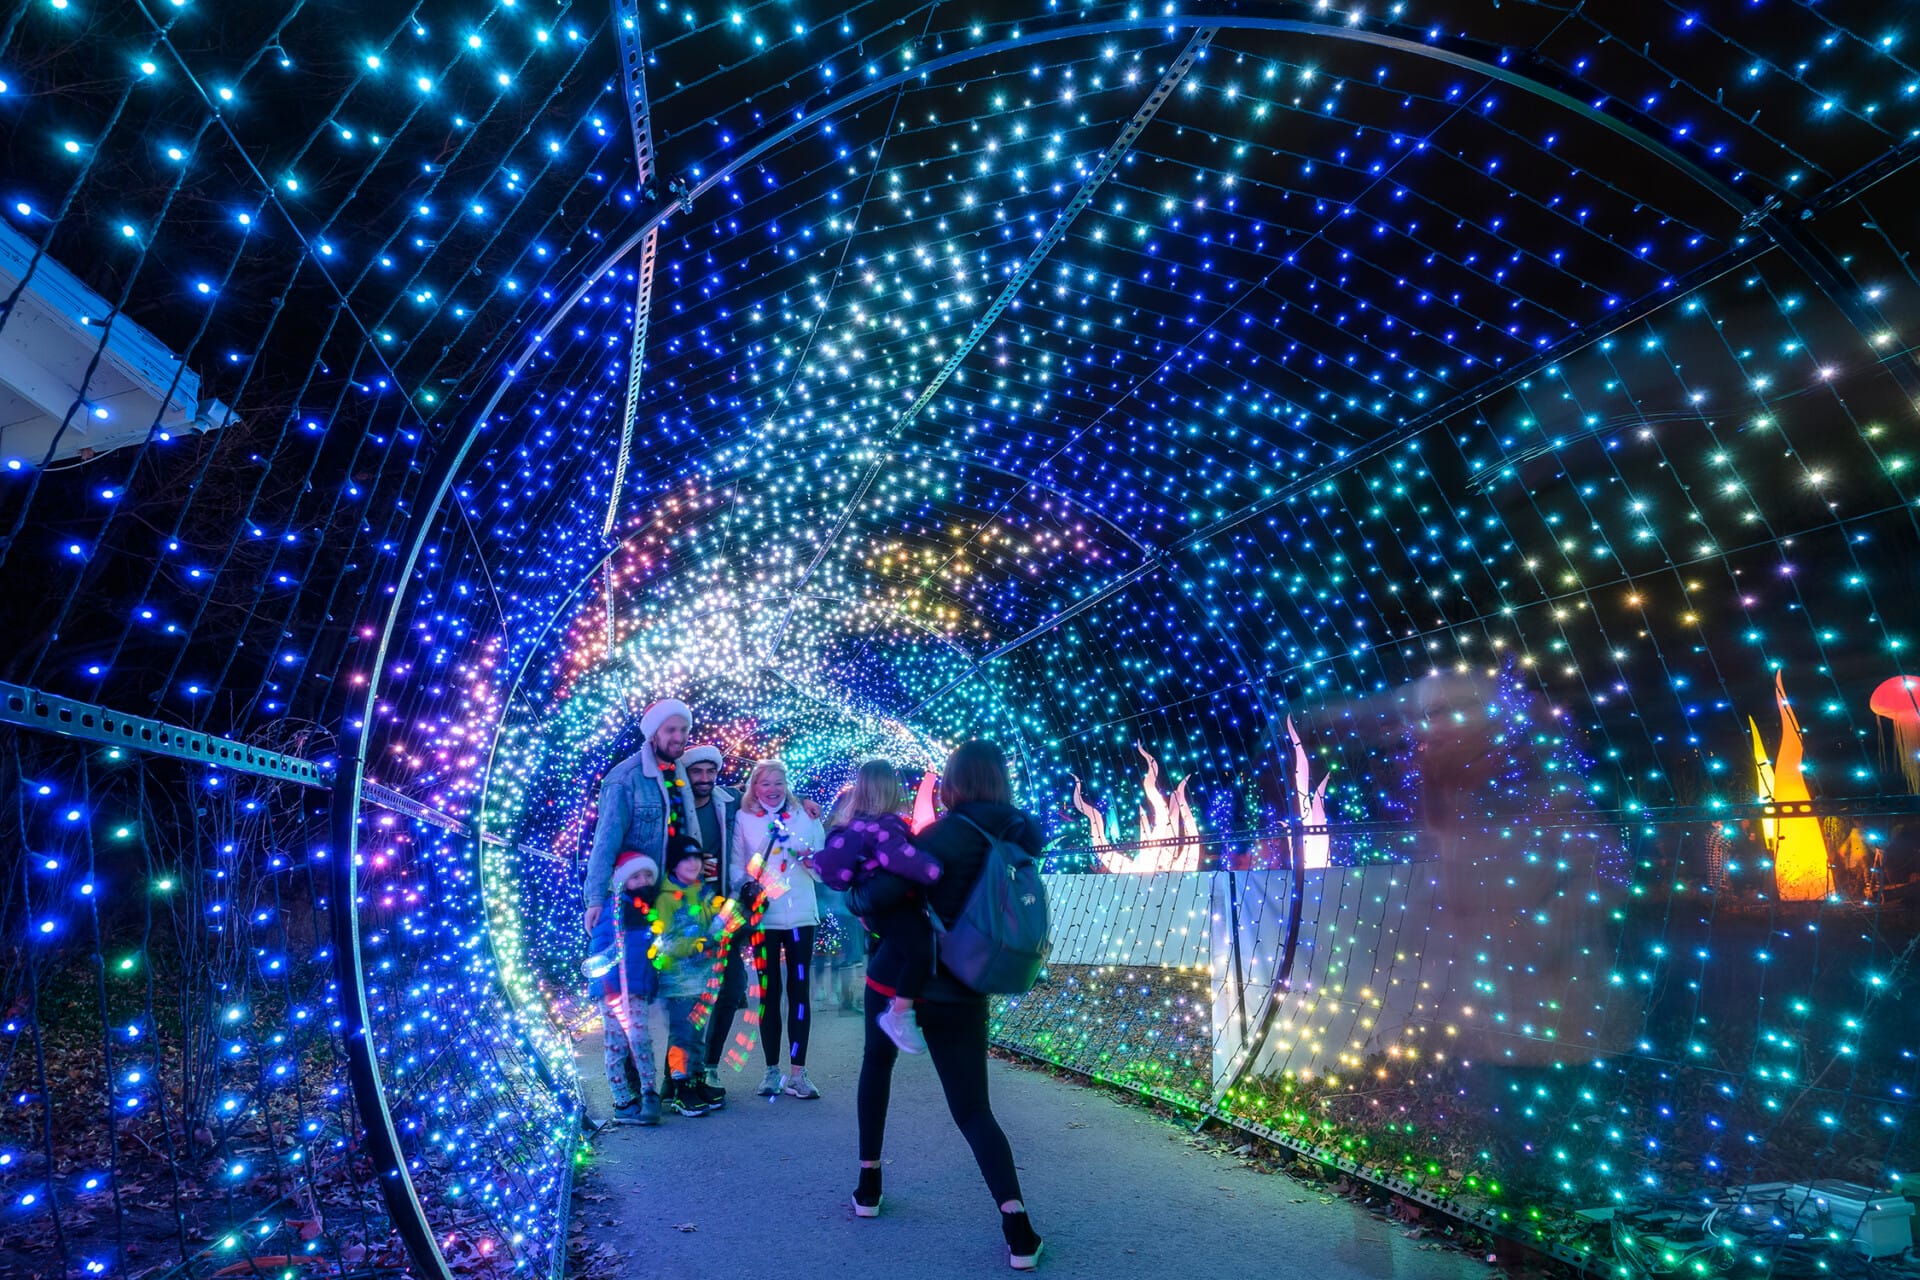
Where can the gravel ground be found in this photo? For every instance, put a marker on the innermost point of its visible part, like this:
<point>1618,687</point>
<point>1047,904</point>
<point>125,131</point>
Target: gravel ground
<point>759,1191</point>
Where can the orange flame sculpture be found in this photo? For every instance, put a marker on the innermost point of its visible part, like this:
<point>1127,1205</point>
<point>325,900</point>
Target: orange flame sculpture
<point>1801,871</point>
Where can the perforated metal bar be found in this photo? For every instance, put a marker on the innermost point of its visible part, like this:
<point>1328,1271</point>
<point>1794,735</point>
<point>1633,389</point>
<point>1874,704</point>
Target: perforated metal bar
<point>387,798</point>
<point>32,709</point>
<point>633,66</point>
<point>67,718</point>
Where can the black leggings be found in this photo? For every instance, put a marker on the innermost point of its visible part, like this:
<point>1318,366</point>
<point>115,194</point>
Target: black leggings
<point>957,1042</point>
<point>786,963</point>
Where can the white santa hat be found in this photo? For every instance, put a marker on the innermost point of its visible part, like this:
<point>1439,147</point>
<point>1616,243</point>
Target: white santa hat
<point>661,712</point>
<point>702,754</point>
<point>625,863</point>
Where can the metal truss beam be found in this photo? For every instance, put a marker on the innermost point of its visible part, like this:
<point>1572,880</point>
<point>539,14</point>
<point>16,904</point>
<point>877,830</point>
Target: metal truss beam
<point>68,718</point>
<point>633,67</point>
<point>88,722</point>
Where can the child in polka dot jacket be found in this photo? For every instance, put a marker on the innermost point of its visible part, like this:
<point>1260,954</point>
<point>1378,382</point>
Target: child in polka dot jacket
<point>870,839</point>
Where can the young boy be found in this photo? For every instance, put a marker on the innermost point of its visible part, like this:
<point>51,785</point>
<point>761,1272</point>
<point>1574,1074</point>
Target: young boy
<point>689,933</point>
<point>627,987</point>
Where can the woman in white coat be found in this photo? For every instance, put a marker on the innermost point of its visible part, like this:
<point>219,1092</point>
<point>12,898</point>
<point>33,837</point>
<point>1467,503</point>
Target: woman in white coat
<point>773,845</point>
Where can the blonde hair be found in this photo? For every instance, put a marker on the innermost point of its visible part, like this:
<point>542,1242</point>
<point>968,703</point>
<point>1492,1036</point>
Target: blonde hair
<point>750,801</point>
<point>875,790</point>
<point>842,811</point>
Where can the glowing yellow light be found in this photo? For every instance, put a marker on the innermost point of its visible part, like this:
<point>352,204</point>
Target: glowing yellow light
<point>1800,870</point>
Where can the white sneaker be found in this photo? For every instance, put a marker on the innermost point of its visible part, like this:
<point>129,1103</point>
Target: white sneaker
<point>904,1030</point>
<point>798,1086</point>
<point>770,1083</point>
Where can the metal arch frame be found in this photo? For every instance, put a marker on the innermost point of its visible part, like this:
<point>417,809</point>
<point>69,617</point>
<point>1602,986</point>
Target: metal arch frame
<point>479,828</point>
<point>363,1066</point>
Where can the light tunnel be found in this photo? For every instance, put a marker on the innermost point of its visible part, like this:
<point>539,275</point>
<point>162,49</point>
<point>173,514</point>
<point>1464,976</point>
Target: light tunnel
<point>1425,495</point>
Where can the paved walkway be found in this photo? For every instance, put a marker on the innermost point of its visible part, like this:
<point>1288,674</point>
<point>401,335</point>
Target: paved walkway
<point>759,1191</point>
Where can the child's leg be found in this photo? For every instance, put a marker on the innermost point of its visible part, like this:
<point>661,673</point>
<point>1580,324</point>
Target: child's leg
<point>902,963</point>
<point>619,1056</point>
<point>640,1018</point>
<point>916,960</point>
<point>886,969</point>
<point>685,1052</point>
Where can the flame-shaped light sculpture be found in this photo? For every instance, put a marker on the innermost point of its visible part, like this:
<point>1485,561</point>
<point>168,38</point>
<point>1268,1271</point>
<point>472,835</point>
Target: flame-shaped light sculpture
<point>1167,828</point>
<point>1800,861</point>
<point>1310,804</point>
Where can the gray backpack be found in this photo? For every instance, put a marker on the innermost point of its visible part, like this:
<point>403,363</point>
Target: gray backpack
<point>998,944</point>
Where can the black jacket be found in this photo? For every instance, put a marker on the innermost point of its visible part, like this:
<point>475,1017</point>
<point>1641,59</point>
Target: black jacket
<point>961,852</point>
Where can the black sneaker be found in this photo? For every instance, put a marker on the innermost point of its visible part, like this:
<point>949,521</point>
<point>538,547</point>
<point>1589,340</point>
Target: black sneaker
<point>681,1097</point>
<point>712,1092</point>
<point>1023,1243</point>
<point>708,1096</point>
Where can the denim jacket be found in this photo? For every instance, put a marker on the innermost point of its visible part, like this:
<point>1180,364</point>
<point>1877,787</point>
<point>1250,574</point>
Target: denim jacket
<point>633,815</point>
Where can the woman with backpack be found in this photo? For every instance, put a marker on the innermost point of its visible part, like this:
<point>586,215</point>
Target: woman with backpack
<point>978,795</point>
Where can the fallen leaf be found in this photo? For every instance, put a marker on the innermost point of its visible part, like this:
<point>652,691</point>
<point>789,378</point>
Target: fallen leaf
<point>686,1226</point>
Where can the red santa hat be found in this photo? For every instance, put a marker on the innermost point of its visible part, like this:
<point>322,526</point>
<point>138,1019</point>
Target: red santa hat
<point>625,863</point>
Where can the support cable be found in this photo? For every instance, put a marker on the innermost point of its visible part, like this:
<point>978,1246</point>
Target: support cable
<point>1109,161</point>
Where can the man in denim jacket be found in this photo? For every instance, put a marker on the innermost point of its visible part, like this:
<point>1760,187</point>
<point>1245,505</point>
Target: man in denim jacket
<point>640,798</point>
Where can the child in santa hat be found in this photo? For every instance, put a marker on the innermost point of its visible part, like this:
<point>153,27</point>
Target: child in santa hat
<point>628,987</point>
